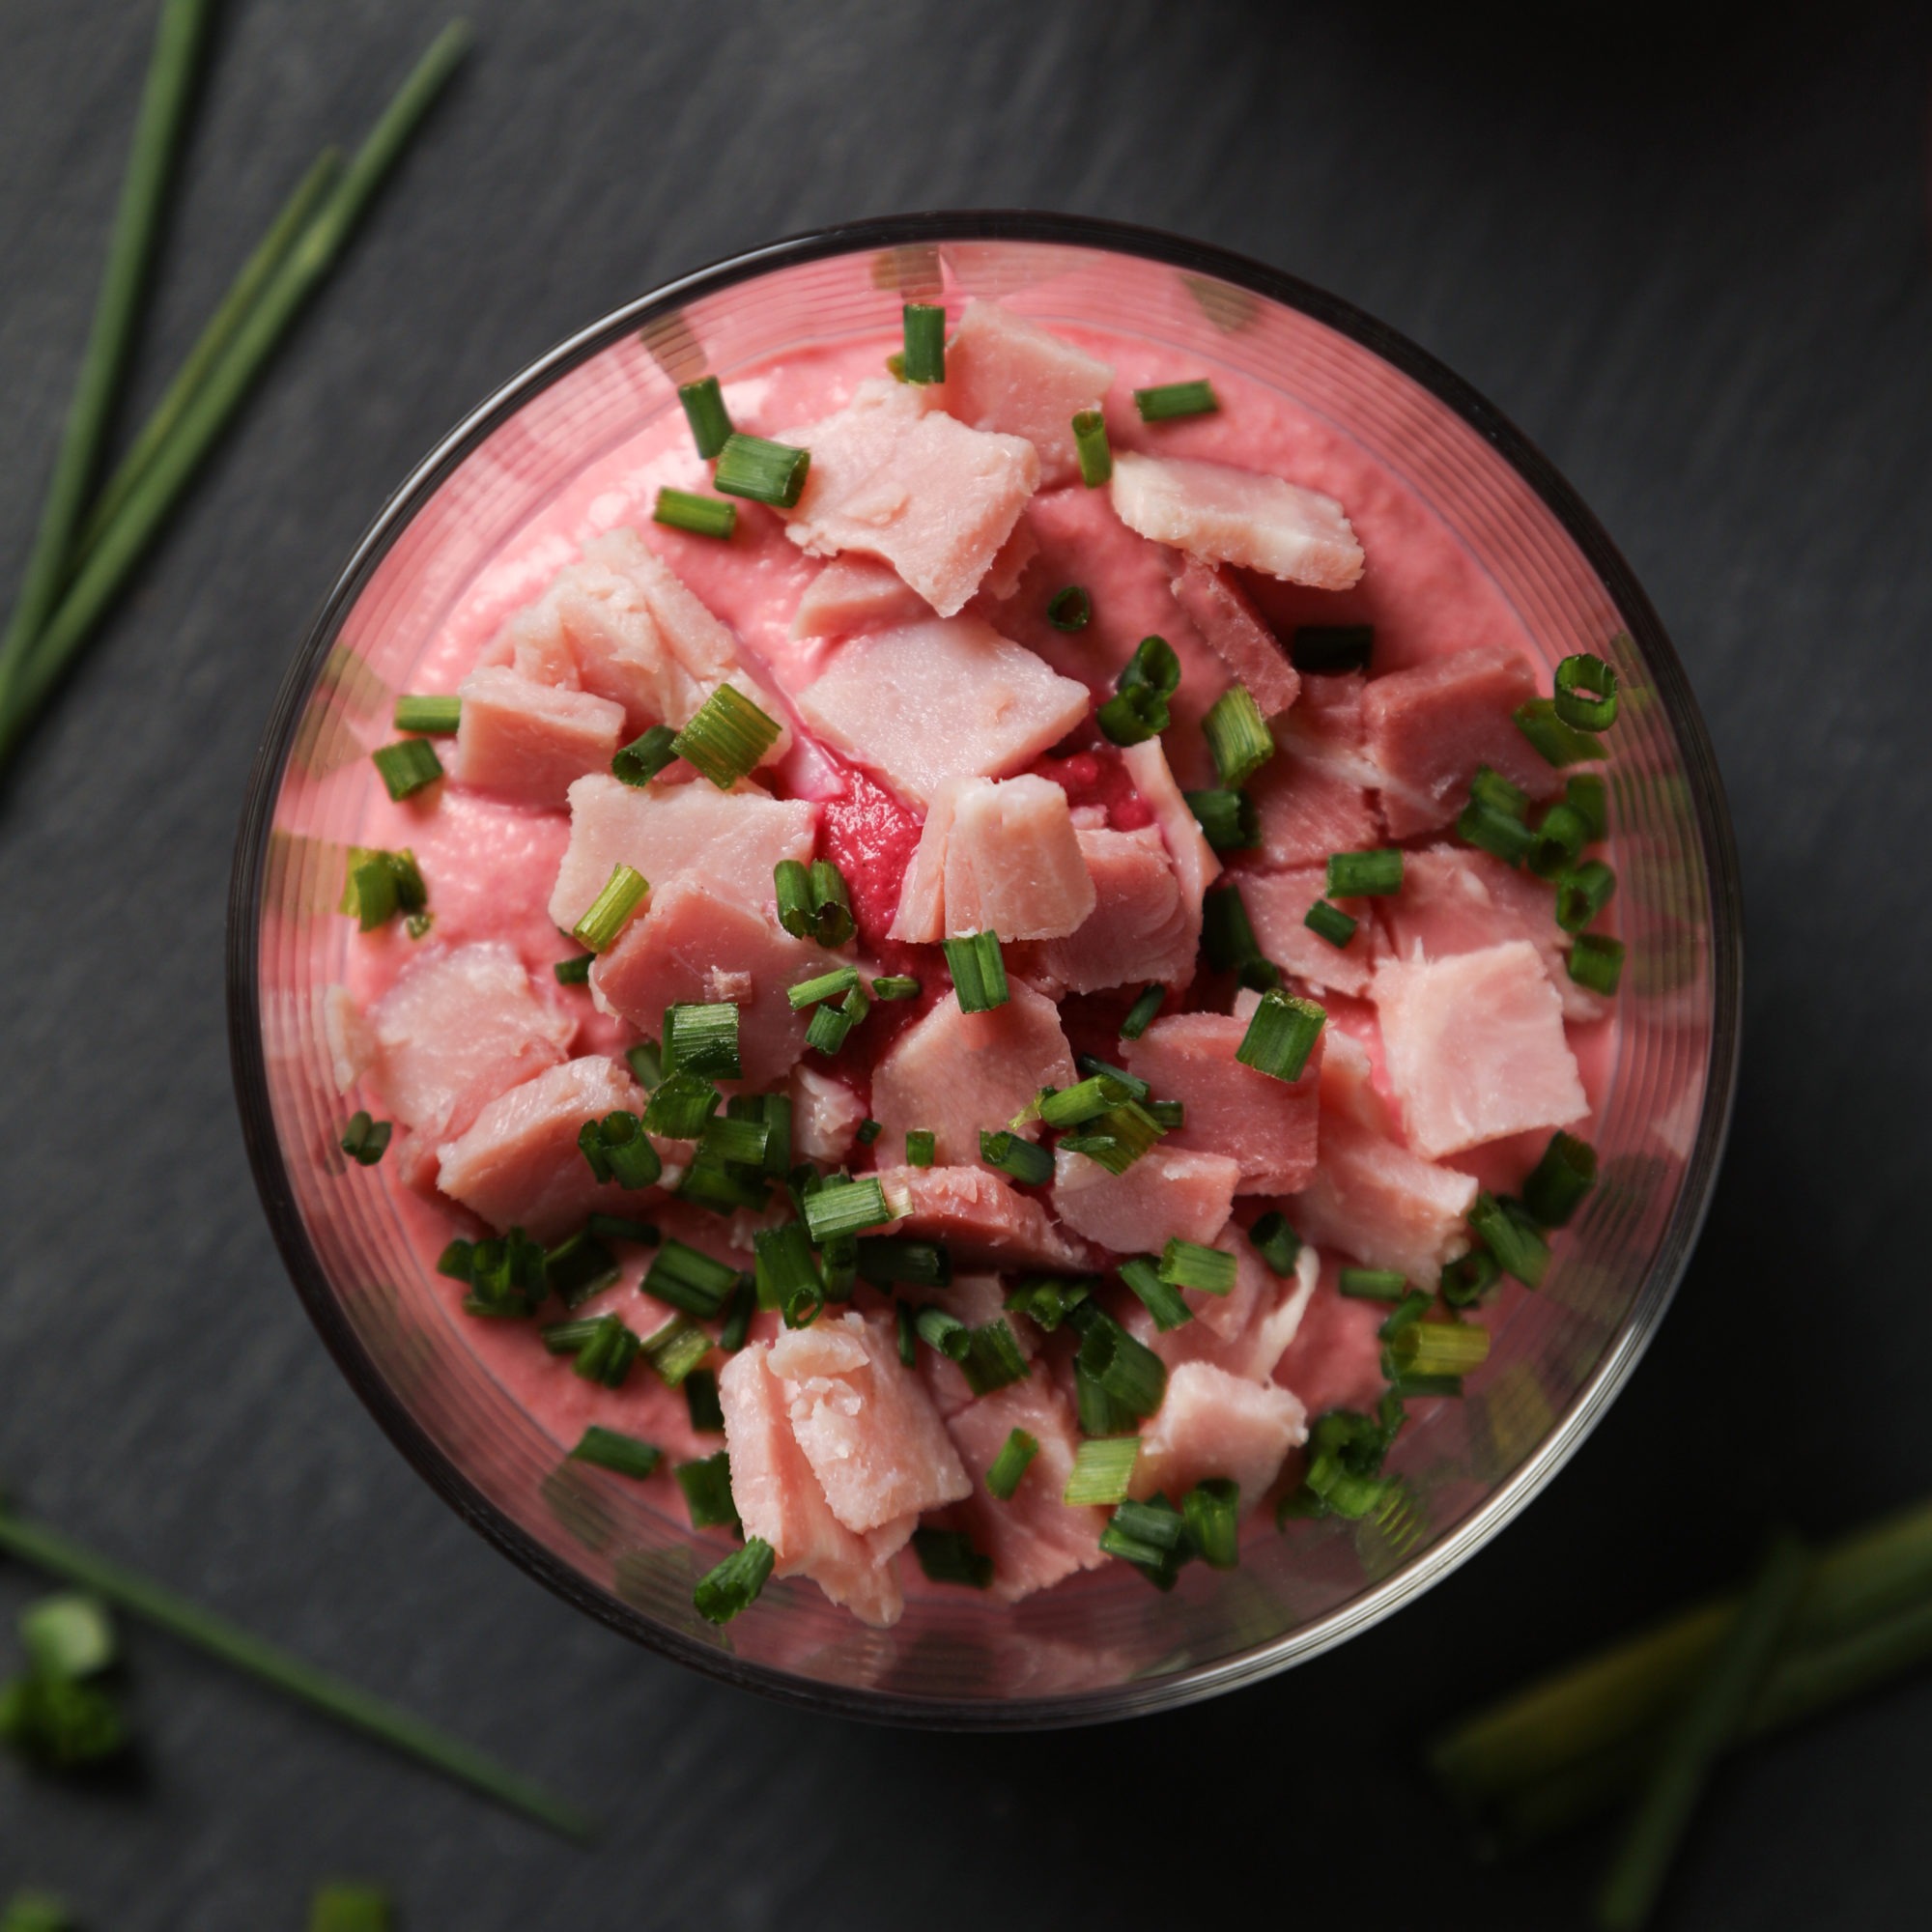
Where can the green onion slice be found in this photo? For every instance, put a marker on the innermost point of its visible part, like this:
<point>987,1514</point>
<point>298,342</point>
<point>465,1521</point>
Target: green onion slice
<point>1330,922</point>
<point>1228,939</point>
<point>1129,1371</point>
<point>947,1556</point>
<point>610,1449</point>
<point>610,910</point>
<point>1556,742</point>
<point>1213,1510</point>
<point>706,1483</point>
<point>733,1586</point>
<point>643,758</point>
<point>702,1404</point>
<point>1092,447</point>
<point>438,717</point>
<point>675,1349</point>
<point>1582,893</point>
<point>884,1260</point>
<point>407,766</point>
<point>1190,1264</point>
<point>1363,1284</point>
<point>846,1207</point>
<point>1165,402</point>
<point>1228,819</point>
<point>1518,1248</point>
<point>1560,1180</point>
<point>1281,1035</point>
<point>830,985</point>
<point>993,1359</point>
<point>1237,736</point>
<point>1070,609</point>
<point>703,1039</point>
<point>1440,1348</point>
<point>1144,1011</point>
<point>979,972</point>
<point>1156,1294</point>
<point>925,342</point>
<point>1588,795</point>
<point>765,472</point>
<point>1597,962</point>
<point>1354,875</point>
<point>680,1107</point>
<point>1586,693</point>
<point>1103,1468</point>
<point>1276,1242</point>
<point>574,971</point>
<point>1004,1472</point>
<point>783,1267</point>
<point>704,410</point>
<point>896,986</point>
<point>688,1279</point>
<point>701,515</point>
<point>365,1140</point>
<point>922,1143</point>
<point>727,736</point>
<point>1030,1165</point>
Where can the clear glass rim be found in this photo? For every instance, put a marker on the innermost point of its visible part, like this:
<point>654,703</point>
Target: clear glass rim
<point>1666,1266</point>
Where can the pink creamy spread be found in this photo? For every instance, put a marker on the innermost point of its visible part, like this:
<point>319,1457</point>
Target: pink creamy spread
<point>939,740</point>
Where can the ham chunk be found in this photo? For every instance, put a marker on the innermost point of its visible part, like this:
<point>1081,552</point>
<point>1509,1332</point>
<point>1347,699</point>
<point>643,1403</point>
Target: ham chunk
<point>1382,1205</point>
<point>856,593</point>
<point>1238,516</point>
<point>1429,727</point>
<point>1007,374</point>
<point>1475,1047</point>
<point>517,1163</point>
<point>976,1299</point>
<point>1233,629</point>
<point>825,1116</point>
<point>1455,899</point>
<point>1335,1358</point>
<point>1164,1194</point>
<point>943,699</point>
<point>1009,562</point>
<point>1267,1127</point>
<point>1210,1422</point>
<point>981,1216</point>
<point>1034,1539</point>
<point>1278,903</point>
<point>1142,926</point>
<point>899,480</point>
<point>954,1073</point>
<point>1245,1333</point>
<point>779,1497</point>
<point>1314,796</point>
<point>865,1422</point>
<point>1006,859</point>
<point>457,1027</point>
<point>691,946</point>
<point>733,840</point>
<point>528,741</point>
<point>1195,864</point>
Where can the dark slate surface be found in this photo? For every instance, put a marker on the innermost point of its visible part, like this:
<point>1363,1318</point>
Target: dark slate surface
<point>1689,258</point>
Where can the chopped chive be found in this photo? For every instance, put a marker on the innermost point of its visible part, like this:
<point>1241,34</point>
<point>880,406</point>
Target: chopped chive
<point>605,1351</point>
<point>1557,742</point>
<point>979,972</point>
<point>1118,1138</point>
<point>1133,715</point>
<point>1353,875</point>
<point>832,921</point>
<point>846,1207</point>
<point>1168,401</point>
<point>722,1186</point>
<point>643,758</point>
<point>775,1111</point>
<point>829,1028</point>
<point>896,986</point>
<point>1519,1250</point>
<point>947,1556</point>
<point>456,1260</point>
<point>1170,1116</point>
<point>1093,1068</point>
<point>1499,833</point>
<point>1560,1180</point>
<point>1228,819</point>
<point>943,1331</point>
<point>1103,1468</point>
<point>1281,1035</point>
<point>1561,835</point>
<point>1212,1508</point>
<point>1409,1308</point>
<point>690,1280</point>
<point>824,986</point>
<point>646,1063</point>
<point>1129,1371</point>
<point>579,1268</point>
<point>350,1908</point>
<point>1070,609</point>
<point>740,1305</point>
<point>378,885</point>
<point>1582,893</point>
<point>783,1267</point>
<point>407,766</point>
<point>736,1140</point>
<point>921,1146</point>
<point>884,1260</point>
<point>1276,1242</point>
<point>1154,666</point>
<point>1004,1472</point>
<point>1237,736</point>
<point>1144,1011</point>
<point>725,737</point>
<point>1190,1264</point>
<point>1330,922</point>
<point>705,412</point>
<point>1326,650</point>
<point>702,1404</point>
<point>675,1349</point>
<point>869,1130</point>
<point>438,717</point>
<point>1363,1284</point>
<point>925,326</point>
<point>610,1449</point>
<point>1228,939</point>
<point>1086,1101</point>
<point>1098,1413</point>
<point>1157,1296</point>
<point>621,1228</point>
<point>574,972</point>
<point>706,1483</point>
<point>703,1039</point>
<point>765,472</point>
<point>624,1152</point>
<point>680,1107</point>
<point>365,1140</point>
<point>506,1278</point>
<point>791,882</point>
<point>1493,793</point>
<point>993,1361</point>
<point>1586,693</point>
<point>1048,1299</point>
<point>1030,1165</point>
<point>733,1586</point>
<point>1588,797</point>
<point>1597,962</point>
<point>1467,1281</point>
<point>1151,1536</point>
<point>1092,447</point>
<point>907,1325</point>
<point>610,911</point>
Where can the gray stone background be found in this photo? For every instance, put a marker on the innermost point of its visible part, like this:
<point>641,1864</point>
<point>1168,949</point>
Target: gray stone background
<point>1686,247</point>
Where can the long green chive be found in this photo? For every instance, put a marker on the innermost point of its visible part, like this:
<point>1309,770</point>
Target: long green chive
<point>947,1556</point>
<point>1353,875</point>
<point>979,972</point>
<point>993,1361</point>
<point>1560,1180</point>
<point>55,1554</point>
<point>767,473</point>
<point>378,885</point>
<point>1048,1299</point>
<point>690,1280</point>
<point>579,1268</point>
<point>1144,1011</point>
<point>1501,833</point>
<point>1212,1508</point>
<point>1129,1371</point>
<point>1556,742</point>
<point>1133,715</point>
<point>705,412</point>
<point>896,986</point>
<point>1519,1250</point>
<point>925,342</point>
<point>350,1908</point>
<point>1330,922</point>
<point>703,1039</point>
<point>922,1143</point>
<point>1276,1242</point>
<point>846,1207</point>
<point>610,1449</point>
<point>645,1060</point>
<point>610,910</point>
<point>639,761</point>
<point>1092,447</point>
<point>943,1331</point>
<point>1281,1035</point>
<point>1167,401</point>
<point>1582,893</point>
<point>1588,795</point>
<point>824,986</point>
<point>438,717</point>
<point>1151,1536</point>
<point>1070,609</point>
<point>1326,650</point>
<point>407,766</point>
<point>733,1586</point>
<point>885,1259</point>
<point>1015,1457</point>
<point>1098,1093</point>
<point>1189,1265</point>
<point>680,1107</point>
<point>702,1404</point>
<point>365,1140</point>
<point>576,971</point>
<point>1228,939</point>
<point>1468,1280</point>
<point>675,1349</point>
<point>1363,1284</point>
<point>706,1483</point>
<point>830,1025</point>
<point>1561,835</point>
<point>1157,1296</point>
<point>739,1141</point>
<point>1237,736</point>
<point>832,921</point>
<point>1586,693</point>
<point>727,736</point>
<point>1103,1468</point>
<point>1030,1165</point>
<point>1597,962</point>
<point>1228,819</point>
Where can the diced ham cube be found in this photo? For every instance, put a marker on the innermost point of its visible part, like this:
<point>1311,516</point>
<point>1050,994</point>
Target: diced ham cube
<point>1349,1083</point>
<point>981,1217</point>
<point>517,1163</point>
<point>1429,727</point>
<point>920,917</point>
<point>1195,864</point>
<point>528,741</point>
<point>825,1116</point>
<point>1238,516</point>
<point>1457,899</point>
<point>1233,629</point>
<point>699,641</point>
<point>896,479</point>
<point>1314,796</point>
<point>954,1073</point>
<point>1034,1539</point>
<point>456,1028</point>
<point>1335,1360</point>
<point>1009,562</point>
<point>672,953</point>
<point>976,1299</point>
<point>1166,1193</point>
<point>1141,927</point>
<point>533,643</point>
<point>1278,903</point>
<point>1210,1422</point>
<point>1267,1127</point>
<point>1246,1332</point>
<point>1475,1047</point>
<point>867,1424</point>
<point>779,1497</point>
<point>856,593</point>
<point>732,841</point>
<point>1382,1205</point>
<point>949,698</point>
<point>1006,372</point>
<point>1008,860</point>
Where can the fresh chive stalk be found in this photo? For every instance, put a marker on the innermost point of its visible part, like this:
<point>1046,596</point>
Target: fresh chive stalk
<point>1597,962</point>
<point>1354,875</point>
<point>407,767</point>
<point>690,1280</point>
<point>830,986</point>
<point>947,1556</point>
<point>1103,1468</point>
<point>1440,1348</point>
<point>1019,1160</point>
<point>764,471</point>
<point>365,1138</point>
<point>943,1331</point>
<point>1228,939</point>
<point>896,986</point>
<point>1582,893</point>
<point>1130,1372</point>
<point>979,972</point>
<point>925,342</point>
<point>1160,1297</point>
<point>733,1586</point>
<point>727,736</point>
<point>610,912</point>
<point>574,972</point>
<point>1228,819</point>
<point>1190,1264</point>
<point>1330,922</point>
<point>1010,1465</point>
<point>674,1351</point>
<point>846,1207</point>
<point>1276,1242</point>
<point>703,1038</point>
<point>1560,1180</point>
<point>1070,609</point>
<point>1281,1035</point>
<point>706,1483</point>
<point>1212,1512</point>
<point>1167,402</point>
<point>699,515</point>
<point>705,412</point>
<point>611,1449</point>
<point>643,758</point>
<point>436,717</point>
<point>922,1143</point>
<point>680,1106</point>
<point>1586,693</point>
<point>1144,1011</point>
<point>1364,1284</point>
<point>1237,736</point>
<point>1092,447</point>
<point>1556,742</point>
<point>1519,1250</point>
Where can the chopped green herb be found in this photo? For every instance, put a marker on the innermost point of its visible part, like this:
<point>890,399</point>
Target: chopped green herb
<point>1582,893</point>
<point>1103,1468</point>
<point>1281,1035</point>
<point>608,1353</point>
<point>1228,939</point>
<point>993,1359</point>
<point>1129,1371</point>
<point>1213,1510</point>
<point>1372,1284</point>
<point>846,1207</point>
<point>610,1449</point>
<point>574,972</point>
<point>1410,1307</point>
<point>675,1349</point>
<point>690,1280</point>
<point>702,1404</point>
<point>1151,1536</point>
<point>1276,1242</point>
<point>1143,1013</point>
<point>925,342</point>
<point>1560,1180</point>
<point>1228,819</point>
<point>727,736</point>
<point>1086,1101</point>
<point>791,882</point>
<point>1467,1281</point>
<point>736,1140</point>
<point>1353,875</point>
<point>407,766</point>
<point>947,1556</point>
<point>643,758</point>
<point>1330,922</point>
<point>1168,401</point>
<point>365,1140</point>
<point>1492,830</point>
<point>1561,835</point>
<point>1092,447</point>
<point>1190,1264</point>
<point>646,1065</point>
<point>709,420</point>
<point>610,910</point>
<point>740,1305</point>
<point>1588,797</point>
<point>979,972</point>
<point>896,986</point>
<point>733,1586</point>
<point>1557,742</point>
<point>438,717</point>
<point>1070,609</point>
<point>921,1146</point>
<point>765,472</point>
<point>1133,715</point>
<point>703,1039</point>
<point>1237,736</point>
<point>680,1107</point>
<point>707,1492</point>
<point>1004,1472</point>
<point>887,1260</point>
<point>1118,1138</point>
<point>1048,1299</point>
<point>378,885</point>
<point>822,986</point>
<point>1519,1250</point>
<point>1586,693</point>
<point>938,1328</point>
<point>1597,962</point>
<point>1160,1297</point>
<point>579,1268</point>
<point>907,1323</point>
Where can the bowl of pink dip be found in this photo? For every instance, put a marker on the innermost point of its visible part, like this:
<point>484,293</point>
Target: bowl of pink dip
<point>1023,1044</point>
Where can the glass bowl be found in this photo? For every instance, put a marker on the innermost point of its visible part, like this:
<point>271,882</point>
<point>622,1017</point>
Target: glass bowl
<point>1104,1645</point>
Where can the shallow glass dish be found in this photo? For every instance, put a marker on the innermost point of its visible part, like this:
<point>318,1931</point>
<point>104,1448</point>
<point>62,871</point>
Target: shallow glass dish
<point>1106,1645</point>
